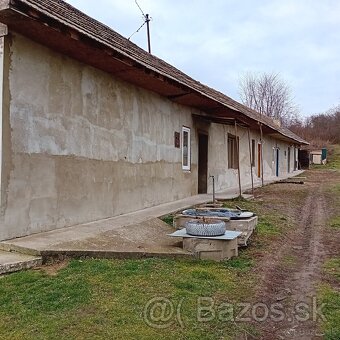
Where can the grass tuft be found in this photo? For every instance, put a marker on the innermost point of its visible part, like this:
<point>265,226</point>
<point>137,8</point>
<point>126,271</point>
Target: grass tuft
<point>267,228</point>
<point>332,267</point>
<point>331,300</point>
<point>242,263</point>
<point>168,219</point>
<point>335,222</point>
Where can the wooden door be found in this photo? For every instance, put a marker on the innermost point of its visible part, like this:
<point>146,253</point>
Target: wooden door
<point>202,163</point>
<point>277,162</point>
<point>259,151</point>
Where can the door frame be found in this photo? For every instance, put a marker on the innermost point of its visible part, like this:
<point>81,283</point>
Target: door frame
<point>295,158</point>
<point>259,151</point>
<point>202,183</point>
<point>277,162</point>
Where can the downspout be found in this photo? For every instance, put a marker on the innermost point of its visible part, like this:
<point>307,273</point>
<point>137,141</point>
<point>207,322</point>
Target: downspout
<point>261,138</point>
<point>238,160</point>
<point>251,165</point>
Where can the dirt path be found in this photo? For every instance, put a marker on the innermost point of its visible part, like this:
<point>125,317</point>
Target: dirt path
<point>291,272</point>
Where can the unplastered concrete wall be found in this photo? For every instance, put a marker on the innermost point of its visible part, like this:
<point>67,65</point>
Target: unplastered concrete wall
<point>270,146</point>
<point>83,145</point>
<point>227,178</point>
<point>282,147</point>
<point>1,118</point>
<point>218,157</point>
<point>80,145</point>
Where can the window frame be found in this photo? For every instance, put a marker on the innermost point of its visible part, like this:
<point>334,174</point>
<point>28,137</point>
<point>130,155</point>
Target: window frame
<point>253,153</point>
<point>233,157</point>
<point>186,167</point>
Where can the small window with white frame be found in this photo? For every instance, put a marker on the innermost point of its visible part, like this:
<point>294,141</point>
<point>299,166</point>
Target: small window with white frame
<point>186,148</point>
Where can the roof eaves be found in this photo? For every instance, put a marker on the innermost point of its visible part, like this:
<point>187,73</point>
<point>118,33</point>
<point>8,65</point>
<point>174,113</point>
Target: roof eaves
<point>127,50</point>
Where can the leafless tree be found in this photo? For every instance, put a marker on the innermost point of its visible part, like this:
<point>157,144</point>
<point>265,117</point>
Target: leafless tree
<point>319,129</point>
<point>268,94</point>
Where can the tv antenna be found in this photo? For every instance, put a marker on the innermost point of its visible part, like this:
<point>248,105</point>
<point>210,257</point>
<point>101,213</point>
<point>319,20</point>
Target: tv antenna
<point>147,20</point>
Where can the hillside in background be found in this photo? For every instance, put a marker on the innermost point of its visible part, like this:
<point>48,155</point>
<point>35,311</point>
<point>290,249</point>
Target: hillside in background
<point>320,129</point>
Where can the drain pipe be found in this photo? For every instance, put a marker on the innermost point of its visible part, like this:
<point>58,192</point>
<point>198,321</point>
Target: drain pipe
<point>238,161</point>
<point>213,180</point>
<point>261,132</point>
<point>251,157</point>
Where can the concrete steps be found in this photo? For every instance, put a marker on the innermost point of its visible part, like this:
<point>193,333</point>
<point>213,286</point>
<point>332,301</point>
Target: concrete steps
<point>12,262</point>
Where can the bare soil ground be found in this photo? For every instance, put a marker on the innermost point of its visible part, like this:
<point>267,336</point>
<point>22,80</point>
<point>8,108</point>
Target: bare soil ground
<point>292,269</point>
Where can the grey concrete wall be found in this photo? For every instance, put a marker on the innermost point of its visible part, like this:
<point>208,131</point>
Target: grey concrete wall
<point>80,145</point>
<point>218,157</point>
<point>1,117</point>
<point>84,145</point>
<point>5,129</point>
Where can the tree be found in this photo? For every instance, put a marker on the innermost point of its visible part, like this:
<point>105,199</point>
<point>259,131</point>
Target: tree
<point>268,94</point>
<point>319,129</point>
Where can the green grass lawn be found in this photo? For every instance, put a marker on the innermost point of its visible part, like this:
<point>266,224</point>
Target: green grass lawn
<point>97,299</point>
<point>329,295</point>
<point>331,311</point>
<point>334,158</point>
<point>105,299</point>
<point>272,223</point>
<point>329,289</point>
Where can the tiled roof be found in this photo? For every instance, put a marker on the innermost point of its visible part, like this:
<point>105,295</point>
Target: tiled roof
<point>73,18</point>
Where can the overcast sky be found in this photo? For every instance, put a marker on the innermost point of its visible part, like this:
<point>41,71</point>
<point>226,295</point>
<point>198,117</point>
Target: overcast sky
<point>216,41</point>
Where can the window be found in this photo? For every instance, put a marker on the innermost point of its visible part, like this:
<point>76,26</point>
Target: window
<point>186,148</point>
<point>232,152</point>
<point>253,152</point>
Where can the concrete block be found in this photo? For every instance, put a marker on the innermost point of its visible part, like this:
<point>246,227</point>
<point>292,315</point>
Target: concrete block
<point>242,225</point>
<point>216,250</point>
<point>247,228</point>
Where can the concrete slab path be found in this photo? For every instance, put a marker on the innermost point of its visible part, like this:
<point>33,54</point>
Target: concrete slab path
<point>12,262</point>
<point>136,234</point>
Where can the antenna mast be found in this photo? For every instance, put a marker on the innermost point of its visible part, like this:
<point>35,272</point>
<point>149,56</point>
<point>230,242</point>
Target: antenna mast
<point>147,20</point>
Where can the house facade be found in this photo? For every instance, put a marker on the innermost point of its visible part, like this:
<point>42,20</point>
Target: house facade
<point>94,127</point>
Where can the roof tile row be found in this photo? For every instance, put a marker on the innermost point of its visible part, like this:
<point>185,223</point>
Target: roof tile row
<point>72,17</point>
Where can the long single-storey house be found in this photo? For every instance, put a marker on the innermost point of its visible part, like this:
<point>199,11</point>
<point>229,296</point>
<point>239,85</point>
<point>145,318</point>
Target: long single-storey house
<point>92,126</point>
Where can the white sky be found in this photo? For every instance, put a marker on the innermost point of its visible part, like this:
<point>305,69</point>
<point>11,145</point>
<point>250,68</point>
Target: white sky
<point>217,41</point>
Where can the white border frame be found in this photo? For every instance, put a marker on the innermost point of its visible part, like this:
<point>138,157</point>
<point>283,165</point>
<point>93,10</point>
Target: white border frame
<point>188,130</point>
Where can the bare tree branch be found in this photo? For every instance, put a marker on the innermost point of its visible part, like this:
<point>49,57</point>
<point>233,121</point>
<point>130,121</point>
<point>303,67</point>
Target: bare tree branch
<point>268,94</point>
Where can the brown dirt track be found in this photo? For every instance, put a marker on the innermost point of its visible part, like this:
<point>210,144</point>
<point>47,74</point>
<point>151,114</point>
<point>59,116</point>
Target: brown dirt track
<point>292,269</point>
